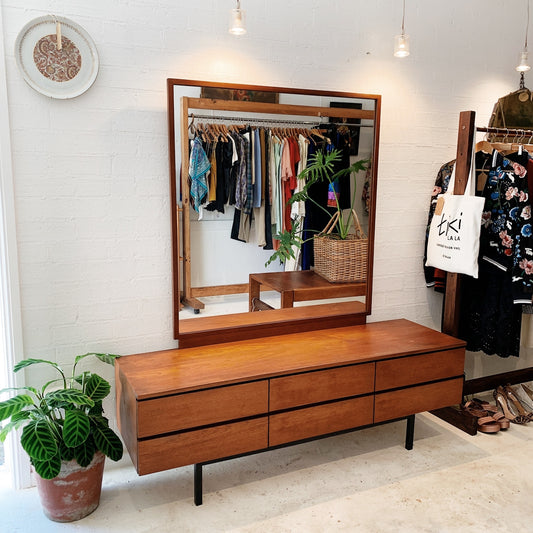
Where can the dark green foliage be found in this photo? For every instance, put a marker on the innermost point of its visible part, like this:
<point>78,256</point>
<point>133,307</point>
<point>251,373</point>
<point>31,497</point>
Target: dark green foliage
<point>320,167</point>
<point>62,424</point>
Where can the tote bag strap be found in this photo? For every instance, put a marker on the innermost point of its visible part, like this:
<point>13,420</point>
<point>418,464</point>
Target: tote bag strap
<point>470,184</point>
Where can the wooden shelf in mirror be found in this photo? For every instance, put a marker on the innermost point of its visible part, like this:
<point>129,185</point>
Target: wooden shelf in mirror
<point>300,286</point>
<point>184,97</point>
<point>241,326</point>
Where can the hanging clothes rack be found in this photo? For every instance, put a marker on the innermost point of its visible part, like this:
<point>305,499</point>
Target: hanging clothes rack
<point>277,121</point>
<point>452,299</point>
<point>189,294</point>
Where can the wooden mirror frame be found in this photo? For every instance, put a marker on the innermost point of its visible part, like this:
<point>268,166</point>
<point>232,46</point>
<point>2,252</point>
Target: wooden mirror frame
<point>225,328</point>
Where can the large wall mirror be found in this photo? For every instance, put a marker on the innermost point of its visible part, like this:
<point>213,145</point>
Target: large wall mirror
<point>223,235</point>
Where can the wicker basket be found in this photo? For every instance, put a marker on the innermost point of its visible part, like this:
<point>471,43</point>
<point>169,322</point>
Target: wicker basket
<point>341,260</point>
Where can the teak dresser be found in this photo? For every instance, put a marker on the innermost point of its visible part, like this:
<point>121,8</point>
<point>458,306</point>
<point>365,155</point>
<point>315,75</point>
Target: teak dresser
<point>200,405</point>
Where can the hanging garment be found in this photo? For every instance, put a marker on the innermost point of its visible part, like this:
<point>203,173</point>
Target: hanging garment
<point>441,186</point>
<point>315,217</point>
<point>491,307</point>
<point>198,167</point>
<point>212,176</point>
<point>341,141</point>
<point>241,181</point>
<point>257,169</point>
<point>222,169</point>
<point>289,160</point>
<point>514,110</point>
<point>234,173</point>
<point>490,321</point>
<point>506,234</point>
<point>267,189</point>
<point>366,192</point>
<point>298,208</point>
<point>277,197</point>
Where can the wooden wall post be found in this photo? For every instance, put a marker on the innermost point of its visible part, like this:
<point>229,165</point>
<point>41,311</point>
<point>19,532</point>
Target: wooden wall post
<point>465,144</point>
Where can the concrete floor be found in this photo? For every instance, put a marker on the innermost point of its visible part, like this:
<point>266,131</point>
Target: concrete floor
<point>363,481</point>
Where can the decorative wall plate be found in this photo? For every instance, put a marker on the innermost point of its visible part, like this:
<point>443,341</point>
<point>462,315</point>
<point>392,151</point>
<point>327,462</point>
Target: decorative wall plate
<point>59,73</point>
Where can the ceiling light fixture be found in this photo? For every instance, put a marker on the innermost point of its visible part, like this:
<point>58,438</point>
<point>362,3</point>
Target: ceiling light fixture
<point>523,66</point>
<point>401,42</point>
<point>237,20</point>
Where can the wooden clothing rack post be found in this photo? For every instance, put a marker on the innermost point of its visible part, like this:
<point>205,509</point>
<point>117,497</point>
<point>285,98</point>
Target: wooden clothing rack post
<point>189,294</point>
<point>452,299</point>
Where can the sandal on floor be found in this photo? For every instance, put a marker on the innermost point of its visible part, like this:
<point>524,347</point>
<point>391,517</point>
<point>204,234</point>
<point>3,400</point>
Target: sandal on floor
<point>491,410</point>
<point>528,391</point>
<point>517,404</point>
<point>485,424</point>
<point>504,404</point>
<point>501,419</point>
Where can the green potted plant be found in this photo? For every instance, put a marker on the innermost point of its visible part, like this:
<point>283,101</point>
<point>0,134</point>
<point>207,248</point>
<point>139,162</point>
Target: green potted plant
<point>66,435</point>
<point>341,247</point>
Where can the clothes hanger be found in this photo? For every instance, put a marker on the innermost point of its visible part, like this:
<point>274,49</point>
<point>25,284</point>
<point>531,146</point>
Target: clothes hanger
<point>504,147</point>
<point>201,131</point>
<point>484,145</point>
<point>192,126</point>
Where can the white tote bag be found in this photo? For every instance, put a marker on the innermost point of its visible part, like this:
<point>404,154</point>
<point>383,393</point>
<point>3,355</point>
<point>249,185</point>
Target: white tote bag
<point>453,243</point>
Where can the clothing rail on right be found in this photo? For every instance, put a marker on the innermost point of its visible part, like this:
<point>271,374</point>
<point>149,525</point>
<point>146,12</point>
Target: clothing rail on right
<point>452,298</point>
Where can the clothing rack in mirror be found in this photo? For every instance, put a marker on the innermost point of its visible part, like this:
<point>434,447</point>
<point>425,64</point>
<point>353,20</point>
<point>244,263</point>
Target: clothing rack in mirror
<point>254,121</point>
<point>452,299</point>
<point>252,112</point>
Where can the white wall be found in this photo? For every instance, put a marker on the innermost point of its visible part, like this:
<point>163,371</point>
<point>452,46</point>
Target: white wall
<point>91,186</point>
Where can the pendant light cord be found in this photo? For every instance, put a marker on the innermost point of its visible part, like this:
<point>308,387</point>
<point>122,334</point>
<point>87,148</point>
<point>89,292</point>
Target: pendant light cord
<point>403,18</point>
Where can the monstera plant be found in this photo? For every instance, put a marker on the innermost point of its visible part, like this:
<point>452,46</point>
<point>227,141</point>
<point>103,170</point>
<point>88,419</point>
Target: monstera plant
<point>63,419</point>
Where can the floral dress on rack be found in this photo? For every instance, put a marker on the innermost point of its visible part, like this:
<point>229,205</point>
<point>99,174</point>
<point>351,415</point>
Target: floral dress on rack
<point>491,311</point>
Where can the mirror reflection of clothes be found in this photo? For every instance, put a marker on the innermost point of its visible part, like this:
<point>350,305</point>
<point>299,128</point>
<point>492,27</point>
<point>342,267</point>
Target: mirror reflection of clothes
<point>255,170</point>
<point>316,219</point>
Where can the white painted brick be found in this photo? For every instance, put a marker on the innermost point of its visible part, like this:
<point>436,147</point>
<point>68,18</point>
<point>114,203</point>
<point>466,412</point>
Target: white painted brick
<point>91,173</point>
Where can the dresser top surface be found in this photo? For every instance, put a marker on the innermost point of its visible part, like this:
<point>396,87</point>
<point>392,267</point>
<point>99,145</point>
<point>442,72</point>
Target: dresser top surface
<point>168,372</point>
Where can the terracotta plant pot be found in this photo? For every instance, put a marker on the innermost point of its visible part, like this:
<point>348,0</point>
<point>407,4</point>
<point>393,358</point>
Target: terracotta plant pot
<point>75,492</point>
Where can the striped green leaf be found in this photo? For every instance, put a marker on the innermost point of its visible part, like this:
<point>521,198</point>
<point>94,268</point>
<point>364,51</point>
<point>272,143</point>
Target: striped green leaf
<point>17,421</point>
<point>49,468</point>
<point>72,397</point>
<point>67,454</point>
<point>75,428</point>
<point>38,440</point>
<point>97,387</point>
<point>28,362</point>
<point>108,358</point>
<point>14,405</point>
<point>84,454</point>
<point>106,440</point>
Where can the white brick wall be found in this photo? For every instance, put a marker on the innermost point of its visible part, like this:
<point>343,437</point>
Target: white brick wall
<point>91,173</point>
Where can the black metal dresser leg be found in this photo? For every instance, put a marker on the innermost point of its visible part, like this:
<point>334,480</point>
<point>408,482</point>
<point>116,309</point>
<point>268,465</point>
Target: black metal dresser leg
<point>198,484</point>
<point>410,433</point>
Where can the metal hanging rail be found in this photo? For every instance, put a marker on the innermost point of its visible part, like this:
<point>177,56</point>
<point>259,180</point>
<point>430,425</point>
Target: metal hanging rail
<point>275,121</point>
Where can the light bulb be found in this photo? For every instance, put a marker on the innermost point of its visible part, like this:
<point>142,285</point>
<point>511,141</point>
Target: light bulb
<point>523,66</point>
<point>237,22</point>
<point>401,45</point>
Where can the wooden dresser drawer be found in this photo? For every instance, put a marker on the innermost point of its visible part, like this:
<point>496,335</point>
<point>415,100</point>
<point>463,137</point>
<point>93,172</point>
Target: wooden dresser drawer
<point>412,400</point>
<point>414,369</point>
<point>162,453</point>
<point>194,409</point>
<point>321,386</point>
<point>320,419</point>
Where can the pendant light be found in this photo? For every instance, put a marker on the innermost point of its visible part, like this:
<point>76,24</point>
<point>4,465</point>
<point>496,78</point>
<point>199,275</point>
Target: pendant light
<point>237,21</point>
<point>401,42</point>
<point>523,66</point>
